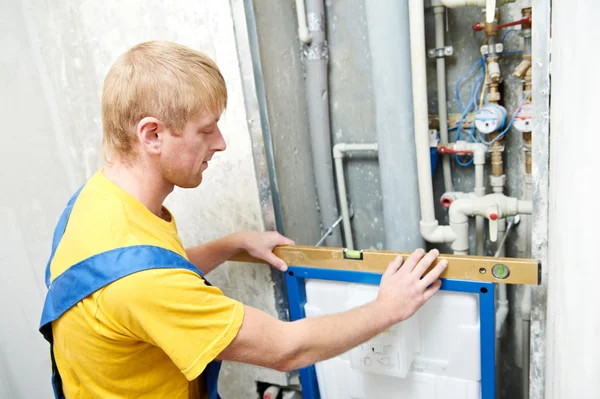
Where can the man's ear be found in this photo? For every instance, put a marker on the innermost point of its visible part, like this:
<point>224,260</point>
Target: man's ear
<point>149,133</point>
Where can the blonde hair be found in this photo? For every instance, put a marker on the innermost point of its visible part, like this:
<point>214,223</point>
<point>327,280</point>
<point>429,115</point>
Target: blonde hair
<point>165,80</point>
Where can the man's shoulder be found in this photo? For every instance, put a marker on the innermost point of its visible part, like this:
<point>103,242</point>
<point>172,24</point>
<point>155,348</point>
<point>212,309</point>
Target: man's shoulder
<point>157,282</point>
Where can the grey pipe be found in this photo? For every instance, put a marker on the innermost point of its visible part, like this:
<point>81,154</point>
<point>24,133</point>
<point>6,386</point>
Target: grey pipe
<point>389,40</point>
<point>316,55</point>
<point>438,10</point>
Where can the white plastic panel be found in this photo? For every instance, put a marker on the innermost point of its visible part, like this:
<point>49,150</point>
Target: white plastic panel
<point>433,355</point>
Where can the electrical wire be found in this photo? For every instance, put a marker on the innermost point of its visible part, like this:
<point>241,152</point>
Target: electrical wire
<point>506,34</point>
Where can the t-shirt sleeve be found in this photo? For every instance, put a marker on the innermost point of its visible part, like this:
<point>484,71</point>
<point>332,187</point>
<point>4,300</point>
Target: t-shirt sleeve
<point>176,311</point>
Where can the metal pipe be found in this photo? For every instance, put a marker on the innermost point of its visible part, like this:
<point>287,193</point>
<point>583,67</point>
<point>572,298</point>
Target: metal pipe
<point>338,155</point>
<point>387,22</point>
<point>438,10</point>
<point>316,55</point>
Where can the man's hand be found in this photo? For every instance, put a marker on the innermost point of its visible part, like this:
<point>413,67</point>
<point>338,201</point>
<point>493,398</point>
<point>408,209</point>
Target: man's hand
<point>402,291</point>
<point>261,245</point>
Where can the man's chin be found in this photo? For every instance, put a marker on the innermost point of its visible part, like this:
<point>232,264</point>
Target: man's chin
<point>191,184</point>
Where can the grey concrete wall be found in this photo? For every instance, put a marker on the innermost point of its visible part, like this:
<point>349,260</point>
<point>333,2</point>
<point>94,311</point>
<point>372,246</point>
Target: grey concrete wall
<point>53,61</point>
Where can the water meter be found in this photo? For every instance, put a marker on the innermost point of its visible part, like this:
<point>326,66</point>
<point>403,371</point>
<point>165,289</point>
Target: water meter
<point>524,119</point>
<point>490,118</point>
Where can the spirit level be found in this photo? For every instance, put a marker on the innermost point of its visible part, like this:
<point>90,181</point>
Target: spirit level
<point>460,267</point>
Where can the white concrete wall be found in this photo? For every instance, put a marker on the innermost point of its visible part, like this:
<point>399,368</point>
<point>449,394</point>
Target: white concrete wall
<point>53,59</point>
<point>573,347</point>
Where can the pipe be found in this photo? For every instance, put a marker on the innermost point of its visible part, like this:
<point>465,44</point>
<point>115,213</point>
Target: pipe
<point>438,10</point>
<point>303,34</point>
<point>479,162</point>
<point>387,22</point>
<point>526,302</point>
<point>472,3</point>
<point>494,207</point>
<point>478,150</point>
<point>430,228</point>
<point>502,307</point>
<point>271,392</point>
<point>338,155</point>
<point>316,55</point>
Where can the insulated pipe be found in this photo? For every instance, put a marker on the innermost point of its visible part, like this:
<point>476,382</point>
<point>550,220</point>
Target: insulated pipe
<point>316,55</point>
<point>338,155</point>
<point>430,228</point>
<point>438,10</point>
<point>387,22</point>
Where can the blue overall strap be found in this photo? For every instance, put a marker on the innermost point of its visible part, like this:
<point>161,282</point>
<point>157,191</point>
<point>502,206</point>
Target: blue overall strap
<point>88,276</point>
<point>59,231</point>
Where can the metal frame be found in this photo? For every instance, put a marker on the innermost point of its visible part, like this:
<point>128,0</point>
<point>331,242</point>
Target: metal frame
<point>295,281</point>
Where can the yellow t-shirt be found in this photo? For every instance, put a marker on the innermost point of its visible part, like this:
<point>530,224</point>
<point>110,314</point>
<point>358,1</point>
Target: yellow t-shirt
<point>148,335</point>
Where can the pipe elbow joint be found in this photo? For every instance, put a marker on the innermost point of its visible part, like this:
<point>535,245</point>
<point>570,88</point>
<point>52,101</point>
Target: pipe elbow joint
<point>338,150</point>
<point>479,151</point>
<point>434,233</point>
<point>460,210</point>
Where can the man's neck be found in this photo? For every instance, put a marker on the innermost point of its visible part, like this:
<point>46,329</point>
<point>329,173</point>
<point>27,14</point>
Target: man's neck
<point>142,182</point>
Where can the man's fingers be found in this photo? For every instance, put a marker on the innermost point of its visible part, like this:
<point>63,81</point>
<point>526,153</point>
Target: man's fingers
<point>394,266</point>
<point>282,240</point>
<point>285,241</point>
<point>434,273</point>
<point>426,262</point>
<point>413,259</point>
<point>435,287</point>
<point>275,261</point>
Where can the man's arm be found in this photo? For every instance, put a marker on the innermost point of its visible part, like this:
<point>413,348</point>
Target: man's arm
<point>207,257</point>
<point>266,341</point>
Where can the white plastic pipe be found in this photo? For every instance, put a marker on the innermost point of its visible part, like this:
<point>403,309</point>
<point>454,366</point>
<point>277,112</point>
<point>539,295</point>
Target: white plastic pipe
<point>479,151</point>
<point>303,34</point>
<point>430,228</point>
<point>463,3</point>
<point>472,3</point>
<point>338,155</point>
<point>469,205</point>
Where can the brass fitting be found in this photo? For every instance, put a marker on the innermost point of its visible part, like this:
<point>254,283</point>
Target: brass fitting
<point>527,82</point>
<point>490,28</point>
<point>523,68</point>
<point>527,148</point>
<point>526,12</point>
<point>497,163</point>
<point>493,95</point>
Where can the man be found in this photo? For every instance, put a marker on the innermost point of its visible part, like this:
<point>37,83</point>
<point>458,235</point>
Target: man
<point>128,311</point>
